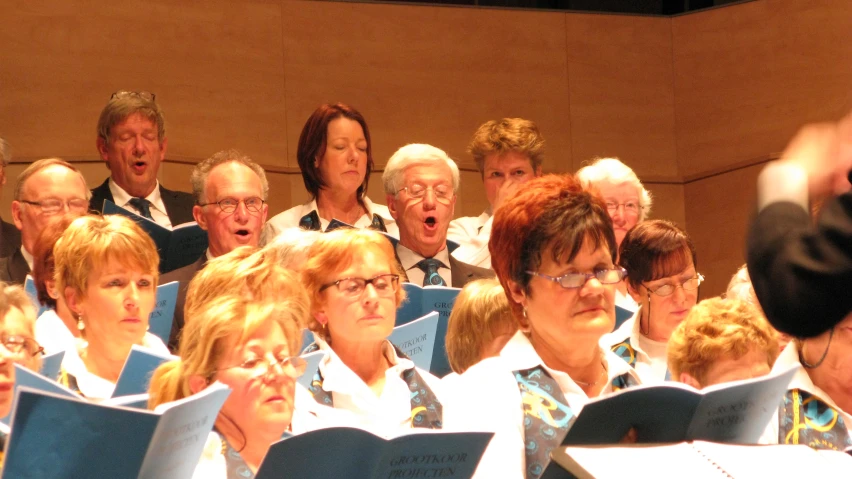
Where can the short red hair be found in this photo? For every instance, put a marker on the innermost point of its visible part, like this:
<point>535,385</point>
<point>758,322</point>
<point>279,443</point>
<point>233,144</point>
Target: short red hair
<point>554,212</point>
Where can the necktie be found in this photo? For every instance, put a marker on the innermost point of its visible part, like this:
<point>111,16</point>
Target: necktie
<point>430,268</point>
<point>143,206</point>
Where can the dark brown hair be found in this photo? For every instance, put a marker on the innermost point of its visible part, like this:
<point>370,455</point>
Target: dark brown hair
<point>655,249</point>
<point>312,143</point>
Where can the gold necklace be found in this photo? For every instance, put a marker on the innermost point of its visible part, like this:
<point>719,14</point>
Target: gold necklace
<point>588,385</point>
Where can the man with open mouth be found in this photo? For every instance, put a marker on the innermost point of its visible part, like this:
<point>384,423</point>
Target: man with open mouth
<point>230,192</point>
<point>132,142</point>
<point>421,183</point>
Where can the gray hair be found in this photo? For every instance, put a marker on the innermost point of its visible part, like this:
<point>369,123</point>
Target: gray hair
<point>5,153</point>
<point>612,170</point>
<point>290,247</point>
<point>411,155</point>
<point>39,165</point>
<point>199,175</point>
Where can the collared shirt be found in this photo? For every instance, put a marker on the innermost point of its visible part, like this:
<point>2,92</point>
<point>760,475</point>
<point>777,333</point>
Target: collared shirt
<point>651,361</point>
<point>158,208</point>
<point>92,386</point>
<point>472,234</point>
<point>625,301</point>
<point>356,405</point>
<point>53,335</point>
<point>409,259</point>
<point>801,380</point>
<point>27,257</point>
<point>291,218</point>
<point>487,398</point>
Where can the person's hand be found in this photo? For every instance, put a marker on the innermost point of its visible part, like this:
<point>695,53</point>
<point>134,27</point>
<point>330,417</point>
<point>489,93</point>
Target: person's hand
<point>506,190</point>
<point>630,438</point>
<point>823,151</point>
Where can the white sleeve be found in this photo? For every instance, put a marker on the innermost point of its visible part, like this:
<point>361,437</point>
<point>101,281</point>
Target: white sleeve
<point>486,398</point>
<point>472,240</point>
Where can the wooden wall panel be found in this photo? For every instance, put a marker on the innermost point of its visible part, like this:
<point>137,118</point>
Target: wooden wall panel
<point>668,203</point>
<point>747,75</point>
<point>718,210</point>
<point>427,74</point>
<point>622,103</point>
<point>216,67</point>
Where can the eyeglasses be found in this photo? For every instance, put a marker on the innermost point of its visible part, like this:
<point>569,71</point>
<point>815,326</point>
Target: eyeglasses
<point>292,367</point>
<point>630,207</point>
<point>16,344</point>
<point>145,95</point>
<point>443,193</point>
<point>384,284</point>
<point>667,289</point>
<point>577,280</point>
<point>229,205</point>
<point>53,206</point>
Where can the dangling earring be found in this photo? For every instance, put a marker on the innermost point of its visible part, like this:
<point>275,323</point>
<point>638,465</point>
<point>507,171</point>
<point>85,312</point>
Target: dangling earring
<point>525,324</point>
<point>80,324</point>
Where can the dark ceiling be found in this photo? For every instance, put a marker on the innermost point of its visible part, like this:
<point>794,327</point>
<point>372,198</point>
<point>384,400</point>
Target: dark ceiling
<point>641,7</point>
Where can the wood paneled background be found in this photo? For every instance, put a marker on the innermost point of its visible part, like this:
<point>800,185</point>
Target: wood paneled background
<point>695,103</point>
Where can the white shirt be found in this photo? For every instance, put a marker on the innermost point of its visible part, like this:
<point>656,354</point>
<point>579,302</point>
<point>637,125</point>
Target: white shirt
<point>158,208</point>
<point>409,259</point>
<point>93,387</point>
<point>801,380</point>
<point>651,362</point>
<point>625,301</point>
<point>291,218</point>
<point>472,234</point>
<point>356,405</point>
<point>52,334</point>
<point>27,257</point>
<point>487,398</point>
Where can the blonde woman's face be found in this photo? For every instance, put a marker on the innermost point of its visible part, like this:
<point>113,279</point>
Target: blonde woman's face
<point>365,316</point>
<point>262,395</point>
<point>119,299</point>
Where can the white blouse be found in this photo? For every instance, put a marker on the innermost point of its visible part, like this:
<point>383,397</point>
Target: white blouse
<point>291,218</point>
<point>92,386</point>
<point>651,362</point>
<point>487,398</point>
<point>356,405</point>
<point>52,334</point>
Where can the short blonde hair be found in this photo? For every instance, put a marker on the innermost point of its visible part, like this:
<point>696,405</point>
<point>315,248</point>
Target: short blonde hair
<point>612,170</point>
<point>249,272</point>
<point>120,107</point>
<point>206,339</point>
<point>480,312</point>
<point>506,136</point>
<point>14,296</point>
<point>335,251</point>
<point>90,242</point>
<point>718,328</point>
<point>291,246</point>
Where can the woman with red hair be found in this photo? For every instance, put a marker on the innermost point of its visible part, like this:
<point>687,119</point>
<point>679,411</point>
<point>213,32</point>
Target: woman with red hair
<point>553,249</point>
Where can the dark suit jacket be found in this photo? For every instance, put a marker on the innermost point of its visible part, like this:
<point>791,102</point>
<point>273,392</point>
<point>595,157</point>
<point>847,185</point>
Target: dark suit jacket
<point>461,273</point>
<point>10,239</point>
<point>802,274</point>
<point>184,275</point>
<point>178,203</point>
<point>14,269</point>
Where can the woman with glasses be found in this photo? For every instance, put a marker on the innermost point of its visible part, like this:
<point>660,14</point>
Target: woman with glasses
<point>107,268</point>
<point>336,157</point>
<point>627,202</point>
<point>353,279</point>
<point>660,261</point>
<point>553,250</point>
<point>252,347</point>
